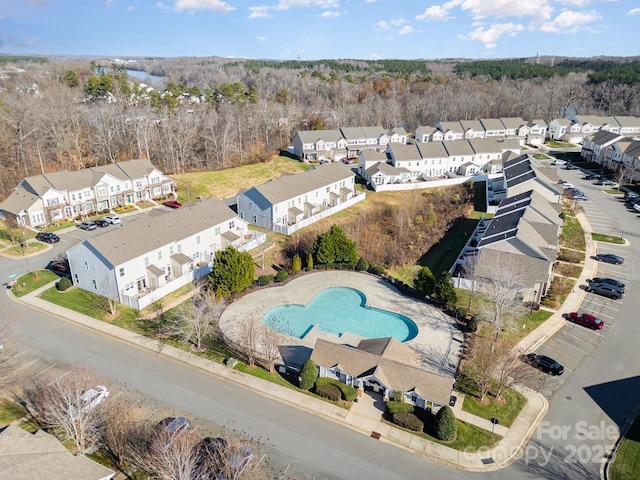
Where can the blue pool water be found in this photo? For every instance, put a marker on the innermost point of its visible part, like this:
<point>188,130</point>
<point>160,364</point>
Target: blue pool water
<point>337,310</point>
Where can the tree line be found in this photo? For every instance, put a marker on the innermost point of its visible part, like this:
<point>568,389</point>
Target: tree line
<point>211,114</point>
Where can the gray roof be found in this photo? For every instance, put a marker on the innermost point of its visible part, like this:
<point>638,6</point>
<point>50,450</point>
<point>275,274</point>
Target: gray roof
<point>433,150</point>
<point>40,456</point>
<point>289,186</point>
<point>453,126</point>
<point>147,233</point>
<point>531,270</point>
<point>18,201</point>
<point>603,137</point>
<point>627,121</point>
<point>492,124</point>
<point>595,120</point>
<point>461,147</point>
<point>403,152</point>
<point>312,136</point>
<point>512,122</point>
<point>494,144</point>
<point>537,121</point>
<point>472,124</point>
<point>373,156</point>
<point>395,374</point>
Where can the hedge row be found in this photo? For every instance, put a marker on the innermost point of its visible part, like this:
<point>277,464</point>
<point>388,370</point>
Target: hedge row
<point>408,420</point>
<point>330,392</point>
<point>395,407</point>
<point>349,393</point>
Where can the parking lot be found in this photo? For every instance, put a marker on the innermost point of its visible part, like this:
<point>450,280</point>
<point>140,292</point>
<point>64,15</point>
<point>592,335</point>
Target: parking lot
<point>573,343</point>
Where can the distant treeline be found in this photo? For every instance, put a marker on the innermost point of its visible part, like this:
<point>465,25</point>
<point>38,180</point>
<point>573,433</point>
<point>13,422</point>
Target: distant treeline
<point>598,70</point>
<point>4,59</point>
<point>392,67</point>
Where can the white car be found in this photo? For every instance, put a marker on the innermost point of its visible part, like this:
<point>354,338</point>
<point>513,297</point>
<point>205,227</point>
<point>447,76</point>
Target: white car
<point>567,185</point>
<point>112,219</point>
<point>93,397</point>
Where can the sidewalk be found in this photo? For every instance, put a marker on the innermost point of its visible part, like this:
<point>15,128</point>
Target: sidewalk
<point>365,416</point>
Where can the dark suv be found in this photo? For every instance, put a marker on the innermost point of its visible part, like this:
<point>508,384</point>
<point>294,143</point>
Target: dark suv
<point>546,364</point>
<point>606,290</point>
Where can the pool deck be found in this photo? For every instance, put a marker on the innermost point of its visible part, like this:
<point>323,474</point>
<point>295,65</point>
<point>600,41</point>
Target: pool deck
<point>438,341</point>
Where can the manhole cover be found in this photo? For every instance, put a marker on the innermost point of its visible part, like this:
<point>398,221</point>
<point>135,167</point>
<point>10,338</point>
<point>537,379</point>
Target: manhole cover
<point>488,461</point>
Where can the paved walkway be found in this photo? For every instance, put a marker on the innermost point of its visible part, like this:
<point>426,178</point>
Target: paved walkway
<point>365,415</point>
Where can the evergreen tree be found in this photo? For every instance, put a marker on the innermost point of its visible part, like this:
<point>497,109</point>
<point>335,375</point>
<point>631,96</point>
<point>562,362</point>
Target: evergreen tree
<point>425,281</point>
<point>309,262</point>
<point>296,264</point>
<point>444,290</point>
<point>333,246</point>
<point>232,272</point>
<point>445,425</point>
<point>308,375</point>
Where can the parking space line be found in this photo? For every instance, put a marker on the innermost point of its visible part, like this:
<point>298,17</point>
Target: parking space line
<point>588,330</point>
<point>569,345</point>
<point>603,305</point>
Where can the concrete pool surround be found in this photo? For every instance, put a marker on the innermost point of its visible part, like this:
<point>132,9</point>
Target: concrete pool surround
<point>438,339</point>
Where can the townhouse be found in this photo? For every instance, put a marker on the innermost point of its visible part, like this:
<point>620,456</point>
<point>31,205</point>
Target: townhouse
<point>153,255</point>
<point>290,202</point>
<point>57,197</point>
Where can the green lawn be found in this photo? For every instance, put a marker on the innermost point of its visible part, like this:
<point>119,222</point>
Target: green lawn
<point>626,464</point>
<point>31,281</point>
<point>227,182</point>
<point>443,254</point>
<point>604,237</point>
<point>505,413</point>
<point>10,411</point>
<point>572,235</point>
<point>556,144</point>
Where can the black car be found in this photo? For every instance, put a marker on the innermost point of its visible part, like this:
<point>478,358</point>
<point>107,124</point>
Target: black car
<point>630,195</point>
<point>611,281</point>
<point>102,223</point>
<point>48,237</point>
<point>592,176</point>
<point>605,182</point>
<point>546,364</point>
<point>609,258</point>
<point>605,290</point>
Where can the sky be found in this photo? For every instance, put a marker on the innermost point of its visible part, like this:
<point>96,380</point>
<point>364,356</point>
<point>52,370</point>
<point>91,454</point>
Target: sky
<point>321,29</point>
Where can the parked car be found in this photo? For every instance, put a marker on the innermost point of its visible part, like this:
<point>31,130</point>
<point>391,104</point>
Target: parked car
<point>605,182</point>
<point>580,196</point>
<point>586,320</point>
<point>609,258</point>
<point>48,237</point>
<point>90,399</point>
<point>546,364</point>
<point>631,195</point>
<point>636,207</point>
<point>112,219</point>
<point>567,185</point>
<point>172,428</point>
<point>87,226</point>
<point>592,176</point>
<point>172,204</point>
<point>605,290</point>
<point>571,167</point>
<point>616,283</point>
<point>102,223</point>
<point>558,162</point>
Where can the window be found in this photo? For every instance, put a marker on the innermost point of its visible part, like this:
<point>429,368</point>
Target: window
<point>179,248</point>
<point>232,224</point>
<point>171,250</point>
<point>76,279</point>
<point>146,261</point>
<point>86,265</point>
<point>255,219</point>
<point>242,215</point>
<point>198,239</point>
<point>159,254</point>
<point>121,271</point>
<point>217,231</point>
<point>328,188</point>
<point>94,284</point>
<point>102,191</point>
<point>250,205</point>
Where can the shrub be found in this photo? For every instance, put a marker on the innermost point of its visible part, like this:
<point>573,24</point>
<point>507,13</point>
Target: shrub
<point>408,420</point>
<point>445,427</point>
<point>330,392</point>
<point>296,264</point>
<point>308,375</point>
<point>394,407</point>
<point>376,269</point>
<point>63,284</point>
<point>349,393</point>
<point>472,324</point>
<point>265,280</point>
<point>282,275</point>
<point>362,265</point>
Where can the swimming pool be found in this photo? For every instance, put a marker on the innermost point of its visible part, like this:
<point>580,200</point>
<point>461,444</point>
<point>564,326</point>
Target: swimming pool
<point>337,310</point>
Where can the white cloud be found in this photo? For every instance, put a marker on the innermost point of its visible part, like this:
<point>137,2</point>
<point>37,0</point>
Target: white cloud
<point>539,10</point>
<point>261,39</point>
<point>330,13</point>
<point>383,25</point>
<point>435,13</point>
<point>259,12</point>
<point>375,56</point>
<point>398,22</point>
<point>406,30</point>
<point>634,11</point>
<point>490,36</point>
<point>214,5</point>
<point>287,4</point>
<point>569,21</point>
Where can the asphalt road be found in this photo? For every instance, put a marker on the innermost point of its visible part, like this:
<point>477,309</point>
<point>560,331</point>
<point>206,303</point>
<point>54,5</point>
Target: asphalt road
<point>599,393</point>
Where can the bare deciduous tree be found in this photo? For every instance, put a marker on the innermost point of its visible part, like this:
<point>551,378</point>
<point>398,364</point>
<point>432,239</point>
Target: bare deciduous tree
<point>250,333</point>
<point>511,370</point>
<point>122,415</point>
<point>198,318</point>
<point>60,405</point>
<point>271,340</point>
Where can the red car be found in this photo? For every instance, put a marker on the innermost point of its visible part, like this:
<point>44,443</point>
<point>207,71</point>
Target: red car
<point>586,320</point>
<point>172,204</point>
